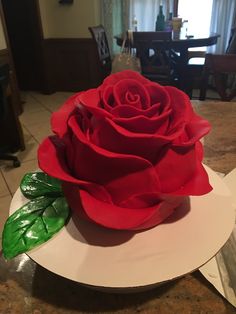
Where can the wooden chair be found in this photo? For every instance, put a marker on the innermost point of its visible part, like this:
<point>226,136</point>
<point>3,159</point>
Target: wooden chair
<point>191,74</point>
<point>220,66</point>
<point>102,48</point>
<point>153,49</point>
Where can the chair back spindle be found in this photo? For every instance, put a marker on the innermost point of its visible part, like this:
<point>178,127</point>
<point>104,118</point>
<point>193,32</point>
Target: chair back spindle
<point>103,53</point>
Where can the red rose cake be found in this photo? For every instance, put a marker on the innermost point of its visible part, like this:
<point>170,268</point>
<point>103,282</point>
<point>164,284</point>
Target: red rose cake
<point>127,152</point>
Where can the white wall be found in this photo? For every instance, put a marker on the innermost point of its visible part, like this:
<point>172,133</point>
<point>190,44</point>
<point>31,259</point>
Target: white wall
<point>69,21</point>
<point>3,44</point>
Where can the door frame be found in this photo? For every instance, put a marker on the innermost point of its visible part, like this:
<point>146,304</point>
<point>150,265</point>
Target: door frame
<point>13,79</point>
<point>39,43</point>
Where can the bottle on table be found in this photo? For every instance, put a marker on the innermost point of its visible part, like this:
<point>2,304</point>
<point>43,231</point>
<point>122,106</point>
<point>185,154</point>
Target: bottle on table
<point>134,24</point>
<point>168,24</point>
<point>160,22</point>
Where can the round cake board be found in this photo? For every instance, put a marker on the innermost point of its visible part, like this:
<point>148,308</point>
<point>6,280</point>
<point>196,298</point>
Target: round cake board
<point>127,261</point>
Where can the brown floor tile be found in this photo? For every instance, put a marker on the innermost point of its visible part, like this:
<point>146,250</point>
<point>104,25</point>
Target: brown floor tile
<point>31,147</point>
<point>35,117</point>
<point>40,132</point>
<point>4,212</point>
<point>30,104</point>
<point>52,102</point>
<point>3,187</point>
<point>13,176</point>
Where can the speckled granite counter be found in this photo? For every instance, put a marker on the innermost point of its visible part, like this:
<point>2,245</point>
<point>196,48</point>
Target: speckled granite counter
<point>28,288</point>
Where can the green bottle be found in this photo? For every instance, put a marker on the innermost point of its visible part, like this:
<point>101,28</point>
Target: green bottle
<point>160,22</point>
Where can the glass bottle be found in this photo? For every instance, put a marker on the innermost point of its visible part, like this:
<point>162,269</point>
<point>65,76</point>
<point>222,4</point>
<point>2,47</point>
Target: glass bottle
<point>168,24</point>
<point>135,24</point>
<point>160,22</point>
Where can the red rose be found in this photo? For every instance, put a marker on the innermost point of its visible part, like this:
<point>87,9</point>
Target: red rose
<point>127,152</point>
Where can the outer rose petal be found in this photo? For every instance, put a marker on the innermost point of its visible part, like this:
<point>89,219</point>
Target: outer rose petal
<point>116,217</point>
<point>52,160</point>
<point>91,100</point>
<point>193,132</point>
<point>181,172</point>
<point>59,118</point>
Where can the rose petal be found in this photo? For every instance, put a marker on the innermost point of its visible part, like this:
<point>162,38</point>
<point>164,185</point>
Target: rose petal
<point>90,98</point>
<point>118,217</point>
<point>108,99</point>
<point>60,117</point>
<point>141,124</point>
<point>122,175</point>
<point>127,74</point>
<point>126,111</point>
<point>182,110</point>
<point>131,92</point>
<point>167,207</point>
<point>158,94</point>
<point>181,172</point>
<point>92,102</point>
<point>199,183</point>
<point>114,138</point>
<point>141,200</point>
<point>194,130</point>
<point>115,217</point>
<point>51,157</point>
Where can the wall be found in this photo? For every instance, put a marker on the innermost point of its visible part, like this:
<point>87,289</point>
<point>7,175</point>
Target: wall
<point>69,21</point>
<point>66,57</point>
<point>70,57</point>
<point>3,44</point>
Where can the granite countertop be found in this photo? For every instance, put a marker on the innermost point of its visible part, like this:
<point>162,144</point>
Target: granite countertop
<point>28,288</point>
<point>220,143</point>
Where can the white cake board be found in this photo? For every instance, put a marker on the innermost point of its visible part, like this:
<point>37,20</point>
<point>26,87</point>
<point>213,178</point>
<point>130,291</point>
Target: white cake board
<point>127,261</point>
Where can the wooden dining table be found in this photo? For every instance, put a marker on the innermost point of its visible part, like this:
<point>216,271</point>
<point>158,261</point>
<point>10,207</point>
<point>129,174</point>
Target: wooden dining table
<point>26,287</point>
<point>182,43</point>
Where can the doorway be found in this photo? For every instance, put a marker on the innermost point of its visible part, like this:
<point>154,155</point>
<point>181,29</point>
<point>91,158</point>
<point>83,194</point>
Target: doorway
<point>25,35</point>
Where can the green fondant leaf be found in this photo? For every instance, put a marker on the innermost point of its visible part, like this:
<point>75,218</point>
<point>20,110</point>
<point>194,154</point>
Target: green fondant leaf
<point>33,224</point>
<point>39,183</point>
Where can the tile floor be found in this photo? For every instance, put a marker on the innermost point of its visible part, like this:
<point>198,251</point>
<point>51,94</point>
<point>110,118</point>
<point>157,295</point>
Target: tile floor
<point>35,122</point>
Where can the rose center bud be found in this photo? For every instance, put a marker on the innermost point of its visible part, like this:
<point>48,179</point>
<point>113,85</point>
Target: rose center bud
<point>132,99</point>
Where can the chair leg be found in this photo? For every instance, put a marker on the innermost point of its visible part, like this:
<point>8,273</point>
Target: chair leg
<point>204,84</point>
<point>202,95</point>
<point>16,162</point>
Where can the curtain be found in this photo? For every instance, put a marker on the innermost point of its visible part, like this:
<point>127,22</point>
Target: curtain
<point>115,19</point>
<point>222,20</point>
<point>117,16</point>
<point>146,12</point>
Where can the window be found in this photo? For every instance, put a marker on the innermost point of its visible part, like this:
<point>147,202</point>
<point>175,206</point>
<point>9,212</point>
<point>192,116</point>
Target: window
<point>140,10</point>
<point>198,14</point>
<point>146,12</point>
<point>198,18</point>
